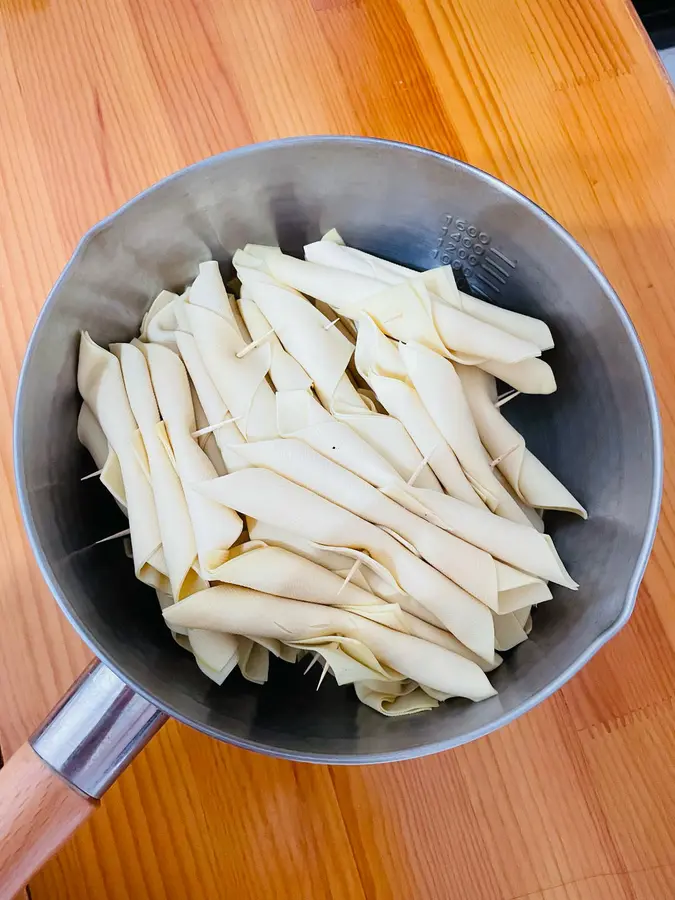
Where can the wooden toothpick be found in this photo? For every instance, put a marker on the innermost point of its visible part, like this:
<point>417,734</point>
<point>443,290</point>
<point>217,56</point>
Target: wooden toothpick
<point>352,572</point>
<point>502,456</point>
<point>418,471</point>
<point>91,475</point>
<point>256,343</point>
<point>313,660</point>
<point>209,429</point>
<point>506,398</point>
<point>112,537</point>
<point>323,674</point>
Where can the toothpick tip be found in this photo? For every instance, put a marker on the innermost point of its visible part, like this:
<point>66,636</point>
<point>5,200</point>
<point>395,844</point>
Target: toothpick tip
<point>323,675</point>
<point>313,660</point>
<point>112,537</point>
<point>91,475</point>
<point>506,398</point>
<point>352,572</point>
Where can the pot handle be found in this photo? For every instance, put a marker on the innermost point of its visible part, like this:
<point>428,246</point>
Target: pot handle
<point>54,781</point>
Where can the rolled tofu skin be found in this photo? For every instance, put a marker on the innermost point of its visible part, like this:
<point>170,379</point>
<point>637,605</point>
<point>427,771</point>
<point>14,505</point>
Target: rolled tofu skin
<point>440,389</point>
<point>405,310</point>
<point>178,540</point>
<point>277,570</point>
<point>155,316</point>
<point>215,527</point>
<point>324,353</point>
<point>238,372</point>
<point>518,545</point>
<point>529,478</point>
<point>397,699</point>
<point>337,466</point>
<point>100,382</point>
<point>285,372</point>
<point>91,436</point>
<point>440,281</point>
<point>226,433</point>
<point>379,363</point>
<point>268,497</point>
<point>238,610</point>
<point>472,569</point>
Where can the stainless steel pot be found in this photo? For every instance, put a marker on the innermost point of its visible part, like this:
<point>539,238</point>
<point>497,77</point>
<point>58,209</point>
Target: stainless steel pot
<point>599,433</point>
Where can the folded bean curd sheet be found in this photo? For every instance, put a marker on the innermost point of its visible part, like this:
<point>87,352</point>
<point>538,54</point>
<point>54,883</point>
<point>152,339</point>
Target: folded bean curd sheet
<point>225,432</point>
<point>216,528</point>
<point>163,299</point>
<point>254,656</point>
<point>471,568</point>
<point>285,372</point>
<point>100,383</point>
<point>529,478</point>
<point>359,569</point>
<point>91,435</point>
<point>213,652</point>
<point>349,659</point>
<point>519,545</point>
<point>253,659</point>
<point>394,698</point>
<point>240,377</point>
<point>206,437</point>
<point>216,653</point>
<point>160,322</point>
<point>380,365</point>
<point>324,354</point>
<point>301,416</point>
<point>446,329</point>
<point>512,629</point>
<point>440,390</point>
<point>246,441</point>
<point>238,610</point>
<point>150,445</point>
<point>264,495</point>
<point>276,570</point>
<point>331,251</point>
<point>531,376</point>
<point>409,311</point>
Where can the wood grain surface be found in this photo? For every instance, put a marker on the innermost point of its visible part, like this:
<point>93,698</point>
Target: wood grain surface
<point>565,100</point>
<point>37,810</point>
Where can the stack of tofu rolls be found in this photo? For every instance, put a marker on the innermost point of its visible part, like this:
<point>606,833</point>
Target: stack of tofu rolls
<point>316,465</point>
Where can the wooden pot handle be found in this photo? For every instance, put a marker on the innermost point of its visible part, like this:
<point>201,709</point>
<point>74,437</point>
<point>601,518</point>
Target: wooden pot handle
<point>83,745</point>
<point>38,813</point>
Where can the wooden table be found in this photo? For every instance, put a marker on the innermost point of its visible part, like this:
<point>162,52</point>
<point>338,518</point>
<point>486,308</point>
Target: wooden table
<point>565,100</point>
